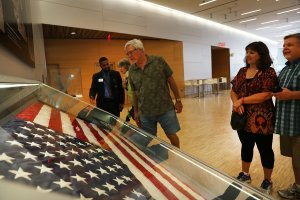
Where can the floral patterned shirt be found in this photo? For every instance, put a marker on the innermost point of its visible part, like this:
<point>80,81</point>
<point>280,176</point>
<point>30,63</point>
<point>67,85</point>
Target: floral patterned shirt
<point>151,86</point>
<point>260,116</point>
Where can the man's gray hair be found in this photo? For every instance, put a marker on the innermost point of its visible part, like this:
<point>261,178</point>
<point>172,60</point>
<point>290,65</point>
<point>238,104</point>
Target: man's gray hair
<point>124,62</point>
<point>136,43</point>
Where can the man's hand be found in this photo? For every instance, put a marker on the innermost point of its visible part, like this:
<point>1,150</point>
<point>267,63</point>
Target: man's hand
<point>121,106</point>
<point>285,94</point>
<point>178,106</point>
<point>92,101</point>
<point>137,118</point>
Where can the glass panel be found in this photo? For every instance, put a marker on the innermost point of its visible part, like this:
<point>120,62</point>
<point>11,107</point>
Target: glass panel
<point>55,142</point>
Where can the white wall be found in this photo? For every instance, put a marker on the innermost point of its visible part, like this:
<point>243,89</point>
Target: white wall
<point>140,18</point>
<point>13,66</point>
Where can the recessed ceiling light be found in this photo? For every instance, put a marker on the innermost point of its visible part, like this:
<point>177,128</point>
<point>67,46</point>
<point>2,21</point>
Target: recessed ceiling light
<point>297,21</point>
<point>284,26</point>
<point>207,2</point>
<point>248,20</point>
<point>270,21</point>
<point>73,33</point>
<point>263,28</point>
<point>253,11</point>
<point>288,11</point>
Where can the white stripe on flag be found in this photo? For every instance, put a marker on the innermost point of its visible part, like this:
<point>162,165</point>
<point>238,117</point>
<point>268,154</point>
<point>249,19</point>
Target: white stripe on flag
<point>87,132</point>
<point>166,172</point>
<point>66,124</point>
<point>136,171</point>
<point>43,117</point>
<point>177,193</point>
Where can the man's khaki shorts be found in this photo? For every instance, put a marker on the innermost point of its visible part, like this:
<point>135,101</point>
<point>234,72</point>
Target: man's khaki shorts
<point>290,146</point>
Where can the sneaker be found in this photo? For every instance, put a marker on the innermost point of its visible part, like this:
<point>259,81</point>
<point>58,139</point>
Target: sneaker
<point>266,186</point>
<point>292,192</point>
<point>244,177</point>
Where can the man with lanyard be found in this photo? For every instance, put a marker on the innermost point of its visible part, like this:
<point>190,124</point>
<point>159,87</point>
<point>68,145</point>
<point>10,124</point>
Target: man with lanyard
<point>107,89</point>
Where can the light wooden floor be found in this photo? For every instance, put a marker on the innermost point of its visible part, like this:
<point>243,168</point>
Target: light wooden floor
<point>206,134</point>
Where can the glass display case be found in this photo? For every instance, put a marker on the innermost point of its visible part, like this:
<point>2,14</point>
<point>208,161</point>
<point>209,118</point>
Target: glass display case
<point>55,143</point>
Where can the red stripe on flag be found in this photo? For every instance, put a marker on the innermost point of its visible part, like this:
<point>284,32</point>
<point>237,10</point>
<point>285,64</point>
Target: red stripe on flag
<point>78,130</point>
<point>166,177</point>
<point>55,120</point>
<point>30,112</point>
<point>149,175</point>
<point>101,141</point>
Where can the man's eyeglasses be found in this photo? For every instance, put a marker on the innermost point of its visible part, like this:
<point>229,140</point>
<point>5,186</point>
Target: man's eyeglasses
<point>130,53</point>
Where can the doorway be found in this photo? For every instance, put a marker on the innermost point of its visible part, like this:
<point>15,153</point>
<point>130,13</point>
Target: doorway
<point>220,59</point>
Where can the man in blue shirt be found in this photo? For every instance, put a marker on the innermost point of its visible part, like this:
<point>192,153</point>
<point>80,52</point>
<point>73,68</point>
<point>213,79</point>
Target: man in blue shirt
<point>287,111</point>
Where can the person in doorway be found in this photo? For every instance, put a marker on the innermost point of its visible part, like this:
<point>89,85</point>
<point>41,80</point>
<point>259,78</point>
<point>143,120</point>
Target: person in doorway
<point>124,65</point>
<point>107,91</point>
<point>287,111</point>
<point>150,77</point>
<point>252,93</point>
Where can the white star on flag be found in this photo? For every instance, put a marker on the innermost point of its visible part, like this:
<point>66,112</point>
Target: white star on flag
<point>119,181</point>
<point>6,158</point>
<point>73,152</point>
<point>63,165</point>
<point>62,153</point>
<point>44,169</point>
<point>70,143</point>
<point>63,184</point>
<point>28,155</point>
<point>137,193</point>
<point>99,191</point>
<point>39,129</point>
<point>21,135</point>
<point>109,186</point>
<point>87,161</point>
<point>76,163</point>
<point>92,174</point>
<point>25,128</point>
<point>50,130</point>
<point>111,169</point>
<point>48,144</point>
<point>61,137</point>
<point>96,159</point>
<point>21,174</point>
<point>14,142</point>
<point>79,178</point>
<point>126,178</point>
<point>102,171</point>
<point>29,122</point>
<point>84,151</point>
<point>50,137</point>
<point>117,166</point>
<point>33,144</point>
<point>62,144</point>
<point>47,154</point>
<point>37,136</point>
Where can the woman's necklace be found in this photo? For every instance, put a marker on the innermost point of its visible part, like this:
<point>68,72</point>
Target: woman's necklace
<point>251,72</point>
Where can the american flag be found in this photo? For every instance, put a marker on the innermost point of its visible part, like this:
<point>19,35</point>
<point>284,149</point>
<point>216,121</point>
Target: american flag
<point>57,152</point>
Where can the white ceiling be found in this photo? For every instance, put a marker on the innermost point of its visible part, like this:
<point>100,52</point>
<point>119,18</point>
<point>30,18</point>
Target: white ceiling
<point>228,12</point>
